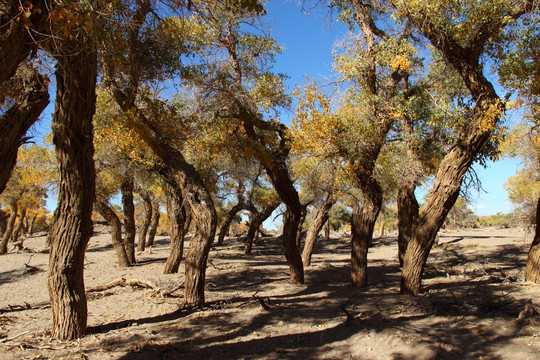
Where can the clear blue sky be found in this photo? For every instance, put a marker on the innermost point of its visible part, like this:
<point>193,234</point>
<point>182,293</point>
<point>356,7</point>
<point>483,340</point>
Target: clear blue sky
<point>308,40</point>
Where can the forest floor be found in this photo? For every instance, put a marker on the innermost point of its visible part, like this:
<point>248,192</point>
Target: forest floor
<point>476,304</point>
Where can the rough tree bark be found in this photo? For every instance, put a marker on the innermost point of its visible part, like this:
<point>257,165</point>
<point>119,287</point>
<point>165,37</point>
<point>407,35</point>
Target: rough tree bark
<point>147,201</point>
<point>470,140</point>
<point>76,74</point>
<point>116,232</point>
<point>532,272</point>
<point>408,209</point>
<point>154,224</point>
<point>17,37</point>
<point>128,209</point>
<point>13,208</point>
<point>362,224</point>
<point>315,226</point>
<point>178,227</point>
<point>31,99</point>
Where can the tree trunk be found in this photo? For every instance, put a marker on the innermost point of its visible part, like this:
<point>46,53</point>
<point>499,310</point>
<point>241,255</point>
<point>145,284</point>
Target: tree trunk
<point>315,226</point>
<point>154,224</point>
<point>382,223</point>
<point>146,221</point>
<point>256,222</point>
<point>9,228</point>
<point>533,260</point>
<point>178,227</point>
<point>116,232</point>
<point>197,198</point>
<point>407,215</point>
<point>327,229</point>
<point>3,222</point>
<point>129,216</point>
<point>32,99</point>
<point>443,196</point>
<point>303,214</point>
<point>362,225</point>
<point>31,226</point>
<point>224,230</point>
<point>18,38</point>
<point>19,225</point>
<point>76,74</point>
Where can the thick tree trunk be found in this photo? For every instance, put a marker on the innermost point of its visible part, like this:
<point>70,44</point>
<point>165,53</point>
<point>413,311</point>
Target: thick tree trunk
<point>18,227</point>
<point>116,232</point>
<point>362,225</point>
<point>279,174</point>
<point>129,217</point>
<point>14,123</point>
<point>533,260</point>
<point>407,214</point>
<point>154,224</point>
<point>146,221</point>
<point>178,227</point>
<point>76,75</point>
<point>13,207</point>
<point>315,226</point>
<point>224,230</point>
<point>443,196</point>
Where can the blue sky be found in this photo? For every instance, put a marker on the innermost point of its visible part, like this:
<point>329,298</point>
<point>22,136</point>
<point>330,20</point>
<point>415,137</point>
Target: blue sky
<point>308,40</point>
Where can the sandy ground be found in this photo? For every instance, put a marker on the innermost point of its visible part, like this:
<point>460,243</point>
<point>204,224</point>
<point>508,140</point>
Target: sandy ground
<point>476,304</point>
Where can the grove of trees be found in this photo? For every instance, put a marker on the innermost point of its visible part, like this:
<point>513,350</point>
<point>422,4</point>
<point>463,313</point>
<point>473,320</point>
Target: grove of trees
<point>174,105</point>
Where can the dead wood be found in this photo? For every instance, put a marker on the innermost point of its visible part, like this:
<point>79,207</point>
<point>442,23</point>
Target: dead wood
<point>136,283</point>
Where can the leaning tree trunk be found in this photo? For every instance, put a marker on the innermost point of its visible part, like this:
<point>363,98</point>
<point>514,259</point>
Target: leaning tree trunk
<point>129,216</point>
<point>146,221</point>
<point>178,227</point>
<point>116,232</point>
<point>154,224</point>
<point>315,226</point>
<point>14,123</point>
<point>19,225</point>
<point>533,260</point>
<point>9,228</point>
<point>362,225</point>
<point>442,198</point>
<point>76,74</point>
<point>197,198</point>
<point>224,230</point>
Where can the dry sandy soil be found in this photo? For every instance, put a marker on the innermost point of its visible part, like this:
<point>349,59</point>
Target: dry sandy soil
<point>476,304</point>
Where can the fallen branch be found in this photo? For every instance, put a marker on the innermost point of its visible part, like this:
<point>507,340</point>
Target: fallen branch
<point>135,283</point>
<point>14,337</point>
